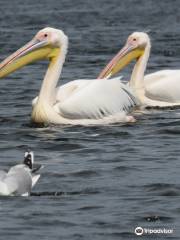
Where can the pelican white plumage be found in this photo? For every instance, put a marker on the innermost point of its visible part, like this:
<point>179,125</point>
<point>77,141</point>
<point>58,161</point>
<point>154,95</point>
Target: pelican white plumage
<point>164,86</point>
<point>81,102</point>
<point>160,89</point>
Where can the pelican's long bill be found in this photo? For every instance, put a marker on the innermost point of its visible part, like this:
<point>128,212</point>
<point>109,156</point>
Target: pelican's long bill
<point>33,51</point>
<point>122,59</point>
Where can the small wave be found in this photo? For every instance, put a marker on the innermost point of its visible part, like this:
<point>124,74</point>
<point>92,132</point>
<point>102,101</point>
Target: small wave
<point>155,218</point>
<point>163,189</point>
<point>62,193</point>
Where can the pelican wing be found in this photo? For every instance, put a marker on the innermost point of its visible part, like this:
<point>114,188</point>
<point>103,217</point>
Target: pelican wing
<point>98,99</point>
<point>163,86</point>
<point>65,91</point>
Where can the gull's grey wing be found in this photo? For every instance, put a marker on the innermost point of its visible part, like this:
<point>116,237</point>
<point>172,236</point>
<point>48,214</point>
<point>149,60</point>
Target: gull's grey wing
<point>2,175</point>
<point>18,180</point>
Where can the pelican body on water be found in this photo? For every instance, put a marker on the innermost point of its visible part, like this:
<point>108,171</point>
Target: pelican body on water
<point>159,89</point>
<point>82,102</point>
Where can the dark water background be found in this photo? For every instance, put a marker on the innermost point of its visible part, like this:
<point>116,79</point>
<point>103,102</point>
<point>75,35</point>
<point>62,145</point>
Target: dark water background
<point>108,180</point>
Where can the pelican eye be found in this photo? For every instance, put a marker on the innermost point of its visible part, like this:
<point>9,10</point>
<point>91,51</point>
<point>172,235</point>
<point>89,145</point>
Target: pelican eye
<point>134,39</point>
<point>45,35</point>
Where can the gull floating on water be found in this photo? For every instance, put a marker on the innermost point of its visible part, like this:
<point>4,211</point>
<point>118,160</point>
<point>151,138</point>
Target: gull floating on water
<point>21,178</point>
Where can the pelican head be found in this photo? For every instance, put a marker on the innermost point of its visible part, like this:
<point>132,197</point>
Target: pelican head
<point>133,49</point>
<point>46,44</point>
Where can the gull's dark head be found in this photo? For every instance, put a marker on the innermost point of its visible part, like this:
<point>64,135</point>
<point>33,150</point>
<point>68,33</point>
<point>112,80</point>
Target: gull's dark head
<point>29,159</point>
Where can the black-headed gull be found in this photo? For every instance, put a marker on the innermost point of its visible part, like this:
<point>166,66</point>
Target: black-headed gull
<point>21,178</point>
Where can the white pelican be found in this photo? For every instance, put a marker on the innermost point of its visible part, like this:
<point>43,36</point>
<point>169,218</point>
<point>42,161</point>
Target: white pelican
<point>81,102</point>
<point>21,178</point>
<point>156,89</point>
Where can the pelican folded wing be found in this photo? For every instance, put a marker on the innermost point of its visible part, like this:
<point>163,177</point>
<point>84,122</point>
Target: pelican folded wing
<point>103,98</point>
